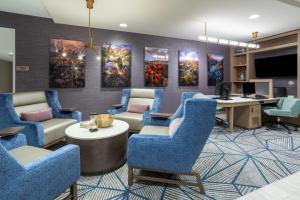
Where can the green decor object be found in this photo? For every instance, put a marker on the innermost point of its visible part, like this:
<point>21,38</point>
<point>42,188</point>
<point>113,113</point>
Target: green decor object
<point>116,65</point>
<point>188,68</point>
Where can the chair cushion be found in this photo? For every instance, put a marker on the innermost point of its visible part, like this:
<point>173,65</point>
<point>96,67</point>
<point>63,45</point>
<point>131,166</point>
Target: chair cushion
<point>29,101</point>
<point>155,130</point>
<point>142,93</point>
<point>199,95</point>
<point>133,119</point>
<point>37,116</point>
<point>26,154</point>
<point>141,101</point>
<point>55,128</point>
<point>174,126</point>
<point>279,113</point>
<point>137,108</point>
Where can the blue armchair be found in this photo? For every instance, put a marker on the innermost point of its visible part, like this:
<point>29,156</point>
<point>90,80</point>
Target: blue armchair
<point>37,134</point>
<point>31,173</point>
<point>151,97</point>
<point>174,148</point>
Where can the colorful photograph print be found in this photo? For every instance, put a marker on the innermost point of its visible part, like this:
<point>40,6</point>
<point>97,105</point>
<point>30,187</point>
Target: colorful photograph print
<point>214,68</point>
<point>156,67</point>
<point>116,65</point>
<point>66,64</point>
<point>188,68</point>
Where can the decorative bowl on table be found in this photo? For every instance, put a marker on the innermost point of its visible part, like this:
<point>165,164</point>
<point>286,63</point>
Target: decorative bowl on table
<point>104,120</point>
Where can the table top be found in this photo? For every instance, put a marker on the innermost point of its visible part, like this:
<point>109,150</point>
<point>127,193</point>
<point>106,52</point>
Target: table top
<point>239,101</point>
<point>243,100</point>
<point>118,127</point>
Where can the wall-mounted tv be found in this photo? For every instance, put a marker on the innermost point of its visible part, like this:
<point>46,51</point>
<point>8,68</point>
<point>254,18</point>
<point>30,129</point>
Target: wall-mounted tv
<point>278,66</point>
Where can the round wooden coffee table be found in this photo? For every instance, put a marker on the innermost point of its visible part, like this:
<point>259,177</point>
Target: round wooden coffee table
<point>101,151</point>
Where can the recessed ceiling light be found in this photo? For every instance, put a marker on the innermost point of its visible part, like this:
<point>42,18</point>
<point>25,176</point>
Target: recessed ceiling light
<point>123,25</point>
<point>254,16</point>
<point>11,53</point>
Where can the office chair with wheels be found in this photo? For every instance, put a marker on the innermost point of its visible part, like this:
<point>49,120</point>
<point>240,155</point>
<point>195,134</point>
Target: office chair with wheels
<point>287,107</point>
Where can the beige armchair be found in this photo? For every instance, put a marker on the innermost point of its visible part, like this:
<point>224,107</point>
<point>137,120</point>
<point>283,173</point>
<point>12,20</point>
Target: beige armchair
<point>151,97</point>
<point>44,133</point>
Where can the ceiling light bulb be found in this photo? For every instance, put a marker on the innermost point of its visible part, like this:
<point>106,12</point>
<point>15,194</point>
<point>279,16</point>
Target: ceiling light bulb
<point>233,43</point>
<point>123,25</point>
<point>202,37</point>
<point>64,54</point>
<point>80,57</point>
<point>254,16</point>
<point>98,57</point>
<point>222,41</point>
<point>257,46</point>
<point>243,44</point>
<point>212,39</point>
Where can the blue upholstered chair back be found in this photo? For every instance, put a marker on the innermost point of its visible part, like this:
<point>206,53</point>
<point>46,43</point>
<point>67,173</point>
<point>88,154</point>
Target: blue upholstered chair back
<point>184,97</point>
<point>198,120</point>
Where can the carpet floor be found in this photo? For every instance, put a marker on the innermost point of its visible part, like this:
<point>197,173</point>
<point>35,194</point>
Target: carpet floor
<point>231,165</point>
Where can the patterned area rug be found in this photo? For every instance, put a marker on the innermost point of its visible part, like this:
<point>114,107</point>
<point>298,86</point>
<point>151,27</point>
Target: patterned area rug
<point>231,165</point>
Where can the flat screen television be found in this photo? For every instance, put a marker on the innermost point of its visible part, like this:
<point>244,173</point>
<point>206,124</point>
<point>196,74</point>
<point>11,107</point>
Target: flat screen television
<point>278,66</point>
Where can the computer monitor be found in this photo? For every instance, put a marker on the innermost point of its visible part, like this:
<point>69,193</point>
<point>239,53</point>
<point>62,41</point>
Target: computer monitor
<point>223,90</point>
<point>248,88</point>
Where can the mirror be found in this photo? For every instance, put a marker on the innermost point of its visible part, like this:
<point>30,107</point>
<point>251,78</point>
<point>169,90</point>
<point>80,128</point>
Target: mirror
<point>7,59</point>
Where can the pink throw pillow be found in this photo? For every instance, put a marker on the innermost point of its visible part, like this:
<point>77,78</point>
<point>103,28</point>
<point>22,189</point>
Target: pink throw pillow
<point>37,116</point>
<point>174,126</point>
<point>137,108</point>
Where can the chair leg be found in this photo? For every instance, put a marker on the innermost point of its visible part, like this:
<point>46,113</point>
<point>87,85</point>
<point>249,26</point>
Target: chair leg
<point>201,187</point>
<point>286,127</point>
<point>130,176</point>
<point>73,191</point>
<point>167,180</point>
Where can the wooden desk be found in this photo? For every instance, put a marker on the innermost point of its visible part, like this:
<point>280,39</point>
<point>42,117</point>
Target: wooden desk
<point>230,105</point>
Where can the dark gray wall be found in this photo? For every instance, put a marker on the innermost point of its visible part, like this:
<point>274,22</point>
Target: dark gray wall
<point>32,43</point>
<point>284,81</point>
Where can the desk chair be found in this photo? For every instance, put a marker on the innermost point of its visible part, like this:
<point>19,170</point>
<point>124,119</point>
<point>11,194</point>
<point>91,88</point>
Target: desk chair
<point>219,91</point>
<point>220,121</point>
<point>287,107</point>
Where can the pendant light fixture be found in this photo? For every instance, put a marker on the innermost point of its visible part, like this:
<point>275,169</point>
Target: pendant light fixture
<point>220,41</point>
<point>90,44</point>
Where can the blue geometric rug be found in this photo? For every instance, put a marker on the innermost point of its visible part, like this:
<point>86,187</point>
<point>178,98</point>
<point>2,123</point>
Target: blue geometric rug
<point>231,165</point>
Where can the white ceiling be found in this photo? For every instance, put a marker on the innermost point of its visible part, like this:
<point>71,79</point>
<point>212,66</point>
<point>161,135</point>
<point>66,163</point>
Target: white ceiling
<point>7,43</point>
<point>172,18</point>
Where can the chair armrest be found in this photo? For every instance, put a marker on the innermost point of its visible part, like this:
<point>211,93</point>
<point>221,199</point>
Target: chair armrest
<point>154,121</point>
<point>156,153</point>
<point>62,167</point>
<point>77,115</point>
<point>112,110</point>
<point>12,142</point>
<point>34,132</point>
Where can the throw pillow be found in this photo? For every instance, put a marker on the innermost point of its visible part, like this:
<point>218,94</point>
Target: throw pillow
<point>137,108</point>
<point>37,116</point>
